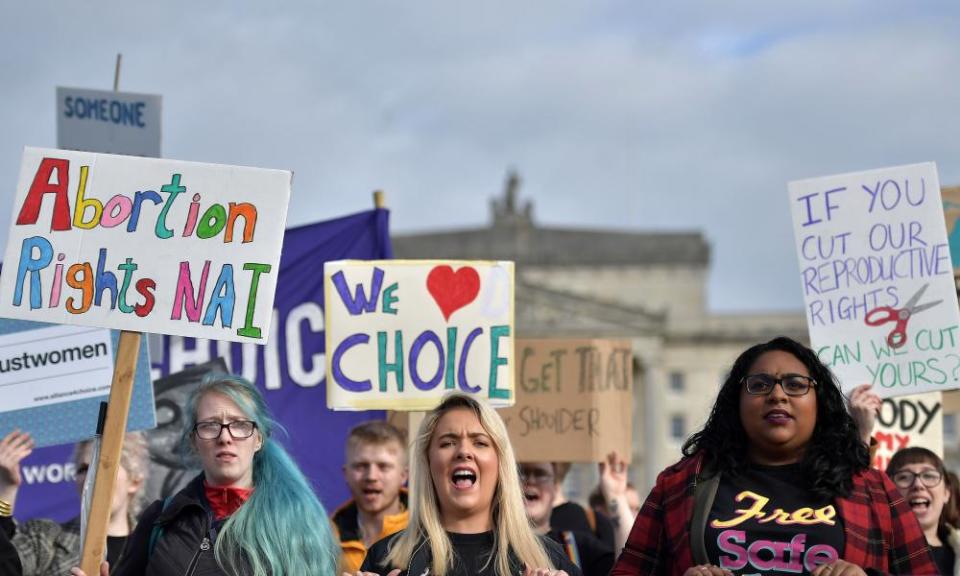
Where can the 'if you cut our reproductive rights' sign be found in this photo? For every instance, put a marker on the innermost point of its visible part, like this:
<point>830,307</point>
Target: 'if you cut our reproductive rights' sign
<point>143,244</point>
<point>402,333</point>
<point>878,279</point>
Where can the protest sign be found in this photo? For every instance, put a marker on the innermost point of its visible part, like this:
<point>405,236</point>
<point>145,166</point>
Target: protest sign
<point>905,421</point>
<point>290,369</point>
<point>877,278</point>
<point>53,379</point>
<point>574,400</point>
<point>401,334</point>
<point>94,243</point>
<point>109,122</point>
<point>951,213</point>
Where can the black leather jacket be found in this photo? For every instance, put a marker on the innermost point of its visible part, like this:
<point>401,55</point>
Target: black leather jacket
<point>174,538</point>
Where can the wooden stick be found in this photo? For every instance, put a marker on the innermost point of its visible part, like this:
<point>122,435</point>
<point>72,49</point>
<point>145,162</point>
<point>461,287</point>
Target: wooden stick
<point>116,74</point>
<point>379,200</point>
<point>124,369</point>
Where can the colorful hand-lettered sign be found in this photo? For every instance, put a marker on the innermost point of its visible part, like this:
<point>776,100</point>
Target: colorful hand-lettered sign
<point>574,400</point>
<point>877,278</point>
<point>906,421</point>
<point>402,333</point>
<point>143,244</point>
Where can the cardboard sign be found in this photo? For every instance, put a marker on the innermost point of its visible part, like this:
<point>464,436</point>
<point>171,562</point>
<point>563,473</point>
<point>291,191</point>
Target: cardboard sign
<point>877,278</point>
<point>915,420</point>
<point>401,334</point>
<point>574,400</point>
<point>53,379</point>
<point>145,245</point>
<point>109,122</point>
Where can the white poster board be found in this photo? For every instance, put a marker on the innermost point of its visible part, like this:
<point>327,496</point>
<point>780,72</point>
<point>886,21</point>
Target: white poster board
<point>401,334</point>
<point>906,421</point>
<point>871,245</point>
<point>108,122</point>
<point>146,245</point>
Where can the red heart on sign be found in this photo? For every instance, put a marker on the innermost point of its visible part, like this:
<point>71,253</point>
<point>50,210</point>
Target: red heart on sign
<point>453,290</point>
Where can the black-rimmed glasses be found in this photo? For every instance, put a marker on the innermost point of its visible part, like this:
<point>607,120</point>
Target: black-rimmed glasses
<point>239,429</point>
<point>792,384</point>
<point>906,478</point>
<point>534,476</point>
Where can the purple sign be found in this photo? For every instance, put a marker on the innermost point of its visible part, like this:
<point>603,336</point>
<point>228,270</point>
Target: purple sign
<point>290,370</point>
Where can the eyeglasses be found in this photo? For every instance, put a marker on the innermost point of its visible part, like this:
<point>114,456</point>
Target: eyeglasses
<point>239,429</point>
<point>906,478</point>
<point>534,476</point>
<point>792,384</point>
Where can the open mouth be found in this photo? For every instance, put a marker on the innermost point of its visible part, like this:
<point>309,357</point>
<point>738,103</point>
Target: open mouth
<point>463,478</point>
<point>919,504</point>
<point>531,496</point>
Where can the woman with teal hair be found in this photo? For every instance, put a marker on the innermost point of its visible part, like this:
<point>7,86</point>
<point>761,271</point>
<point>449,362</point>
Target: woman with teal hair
<point>251,512</point>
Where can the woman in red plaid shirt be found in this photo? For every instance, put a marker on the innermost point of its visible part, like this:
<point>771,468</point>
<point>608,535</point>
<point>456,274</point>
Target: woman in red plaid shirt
<point>777,482</point>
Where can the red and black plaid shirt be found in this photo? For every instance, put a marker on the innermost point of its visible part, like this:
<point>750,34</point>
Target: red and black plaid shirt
<point>881,533</point>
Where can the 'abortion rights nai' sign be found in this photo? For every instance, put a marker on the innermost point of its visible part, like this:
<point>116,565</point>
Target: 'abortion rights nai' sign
<point>401,334</point>
<point>144,244</point>
<point>877,278</point>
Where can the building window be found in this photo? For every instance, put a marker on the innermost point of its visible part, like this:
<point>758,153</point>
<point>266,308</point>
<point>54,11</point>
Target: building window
<point>677,384</point>
<point>950,426</point>
<point>678,427</point>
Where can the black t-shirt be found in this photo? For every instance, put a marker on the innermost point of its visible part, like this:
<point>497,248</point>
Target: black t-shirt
<point>765,521</point>
<point>944,557</point>
<point>115,546</point>
<point>472,557</point>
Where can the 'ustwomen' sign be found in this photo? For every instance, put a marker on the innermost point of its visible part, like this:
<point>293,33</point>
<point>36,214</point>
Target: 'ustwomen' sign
<point>401,334</point>
<point>142,244</point>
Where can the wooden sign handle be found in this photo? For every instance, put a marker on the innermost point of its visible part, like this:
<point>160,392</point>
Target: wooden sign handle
<point>114,429</point>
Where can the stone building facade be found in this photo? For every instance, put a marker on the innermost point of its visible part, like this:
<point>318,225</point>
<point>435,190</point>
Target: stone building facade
<point>648,287</point>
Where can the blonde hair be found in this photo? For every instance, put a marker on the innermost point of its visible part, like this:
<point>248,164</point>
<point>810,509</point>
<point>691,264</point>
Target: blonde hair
<point>511,529</point>
<point>135,459</point>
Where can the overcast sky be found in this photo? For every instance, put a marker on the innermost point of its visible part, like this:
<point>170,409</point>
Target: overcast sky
<point>627,115</point>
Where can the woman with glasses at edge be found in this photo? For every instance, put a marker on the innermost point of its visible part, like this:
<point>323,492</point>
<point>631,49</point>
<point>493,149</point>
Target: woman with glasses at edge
<point>466,507</point>
<point>922,479</point>
<point>777,481</point>
<point>251,512</point>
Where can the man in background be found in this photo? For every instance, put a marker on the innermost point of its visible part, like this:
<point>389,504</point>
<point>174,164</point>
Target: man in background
<point>375,470</point>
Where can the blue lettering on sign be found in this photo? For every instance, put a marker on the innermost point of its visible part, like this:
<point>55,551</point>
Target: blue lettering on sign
<point>114,111</point>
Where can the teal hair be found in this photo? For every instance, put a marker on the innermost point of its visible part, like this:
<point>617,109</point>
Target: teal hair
<point>282,530</point>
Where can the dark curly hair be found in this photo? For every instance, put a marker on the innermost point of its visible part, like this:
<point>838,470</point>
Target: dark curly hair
<point>835,452</point>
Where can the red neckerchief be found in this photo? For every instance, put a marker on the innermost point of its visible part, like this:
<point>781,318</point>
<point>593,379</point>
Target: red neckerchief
<point>224,500</point>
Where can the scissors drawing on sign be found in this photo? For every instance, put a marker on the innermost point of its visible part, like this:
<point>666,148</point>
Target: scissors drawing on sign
<point>884,314</point>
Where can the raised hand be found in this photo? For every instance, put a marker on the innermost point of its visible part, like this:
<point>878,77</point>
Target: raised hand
<point>14,447</point>
<point>864,407</point>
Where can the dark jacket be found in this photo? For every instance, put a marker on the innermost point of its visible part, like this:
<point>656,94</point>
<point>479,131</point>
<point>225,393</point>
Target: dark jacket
<point>347,530</point>
<point>182,544</point>
<point>9,560</point>
<point>584,549</point>
<point>422,558</point>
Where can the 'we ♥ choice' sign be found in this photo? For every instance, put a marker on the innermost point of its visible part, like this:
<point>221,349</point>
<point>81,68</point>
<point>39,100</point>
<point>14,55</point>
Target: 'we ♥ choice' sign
<point>402,333</point>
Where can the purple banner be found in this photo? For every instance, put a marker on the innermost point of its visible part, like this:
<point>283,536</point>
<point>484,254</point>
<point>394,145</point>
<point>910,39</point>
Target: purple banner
<point>290,370</point>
